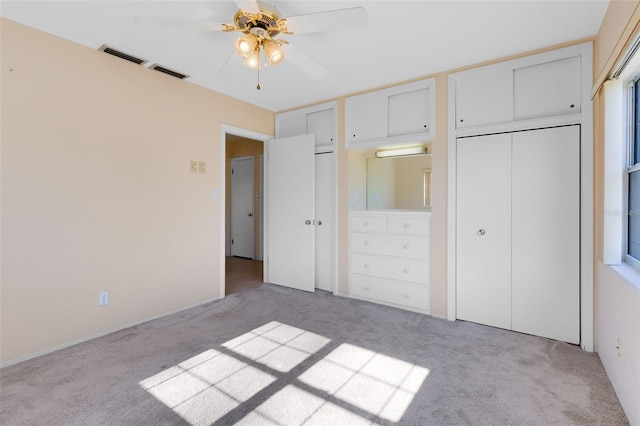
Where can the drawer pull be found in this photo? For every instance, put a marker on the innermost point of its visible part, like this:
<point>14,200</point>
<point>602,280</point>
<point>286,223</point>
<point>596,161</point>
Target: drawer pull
<point>365,223</point>
<point>366,265</point>
<point>406,296</point>
<point>366,243</point>
<point>366,288</point>
<point>406,225</point>
<point>406,246</point>
<point>406,271</point>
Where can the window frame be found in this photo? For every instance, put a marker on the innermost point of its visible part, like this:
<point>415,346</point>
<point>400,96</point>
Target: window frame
<point>630,166</point>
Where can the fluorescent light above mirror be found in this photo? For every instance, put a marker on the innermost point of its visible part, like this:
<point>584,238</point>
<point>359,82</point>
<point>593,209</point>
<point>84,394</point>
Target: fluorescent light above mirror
<point>418,150</point>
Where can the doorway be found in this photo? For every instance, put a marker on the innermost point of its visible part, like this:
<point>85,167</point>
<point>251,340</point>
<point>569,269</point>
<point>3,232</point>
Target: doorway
<point>243,225</point>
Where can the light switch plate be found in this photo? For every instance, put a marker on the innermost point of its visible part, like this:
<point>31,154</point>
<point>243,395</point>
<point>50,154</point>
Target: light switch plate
<point>202,167</point>
<point>193,166</point>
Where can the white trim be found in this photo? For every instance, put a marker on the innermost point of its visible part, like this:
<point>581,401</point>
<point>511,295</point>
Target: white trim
<point>585,119</point>
<point>101,334</point>
<point>613,176</point>
<point>232,130</point>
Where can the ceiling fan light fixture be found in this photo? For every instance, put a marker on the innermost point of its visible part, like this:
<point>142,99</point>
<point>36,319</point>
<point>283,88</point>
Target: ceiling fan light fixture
<point>273,52</point>
<point>246,44</point>
<point>252,60</point>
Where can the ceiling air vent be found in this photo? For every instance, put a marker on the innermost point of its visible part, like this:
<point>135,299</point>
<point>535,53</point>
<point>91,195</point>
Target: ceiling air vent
<point>165,70</point>
<point>111,51</point>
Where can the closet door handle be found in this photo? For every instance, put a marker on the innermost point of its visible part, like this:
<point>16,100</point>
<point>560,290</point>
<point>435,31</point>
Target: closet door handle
<point>481,232</point>
<point>307,222</point>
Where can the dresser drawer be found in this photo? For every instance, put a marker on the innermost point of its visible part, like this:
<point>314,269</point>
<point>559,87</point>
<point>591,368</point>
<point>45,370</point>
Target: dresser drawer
<point>370,224</point>
<point>391,245</point>
<point>416,226</point>
<point>389,291</point>
<point>414,271</point>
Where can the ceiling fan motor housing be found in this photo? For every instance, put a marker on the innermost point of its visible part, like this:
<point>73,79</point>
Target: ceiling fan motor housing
<point>263,24</point>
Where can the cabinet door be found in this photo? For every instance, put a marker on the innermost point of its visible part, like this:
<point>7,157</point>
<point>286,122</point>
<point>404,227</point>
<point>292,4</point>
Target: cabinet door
<point>547,89</point>
<point>366,117</point>
<point>409,113</point>
<point>484,99</point>
<point>546,233</point>
<point>320,124</point>
<point>483,235</point>
<point>292,125</point>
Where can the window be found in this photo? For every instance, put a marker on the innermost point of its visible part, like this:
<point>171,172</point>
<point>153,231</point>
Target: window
<point>633,174</point>
<point>426,187</point>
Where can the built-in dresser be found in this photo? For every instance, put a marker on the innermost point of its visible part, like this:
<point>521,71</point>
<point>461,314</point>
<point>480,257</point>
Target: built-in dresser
<point>390,252</point>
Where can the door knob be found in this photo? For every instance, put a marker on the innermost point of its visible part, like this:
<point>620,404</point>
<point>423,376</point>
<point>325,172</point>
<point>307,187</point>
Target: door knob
<point>250,214</point>
<point>307,222</point>
<point>481,232</point>
<point>319,222</point>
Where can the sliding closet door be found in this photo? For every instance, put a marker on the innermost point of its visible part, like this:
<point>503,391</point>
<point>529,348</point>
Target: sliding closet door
<point>483,232</point>
<point>546,233</point>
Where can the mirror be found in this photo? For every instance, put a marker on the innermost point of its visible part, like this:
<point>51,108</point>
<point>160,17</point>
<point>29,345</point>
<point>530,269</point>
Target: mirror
<point>399,182</point>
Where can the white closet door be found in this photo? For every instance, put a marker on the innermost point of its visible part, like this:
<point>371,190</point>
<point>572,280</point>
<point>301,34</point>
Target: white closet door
<point>324,221</point>
<point>483,234</point>
<point>546,233</point>
<point>242,220</point>
<point>291,204</point>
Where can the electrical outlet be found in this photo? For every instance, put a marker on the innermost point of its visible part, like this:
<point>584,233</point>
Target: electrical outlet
<point>202,167</point>
<point>193,166</point>
<point>103,298</point>
<point>619,347</point>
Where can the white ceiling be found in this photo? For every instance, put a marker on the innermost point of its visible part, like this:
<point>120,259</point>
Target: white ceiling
<point>403,40</point>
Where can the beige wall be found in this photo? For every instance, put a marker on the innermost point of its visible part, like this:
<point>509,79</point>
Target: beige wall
<point>237,146</point>
<point>617,302</point>
<point>97,194</point>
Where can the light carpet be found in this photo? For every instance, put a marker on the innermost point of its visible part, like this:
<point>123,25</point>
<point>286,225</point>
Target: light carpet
<point>278,356</point>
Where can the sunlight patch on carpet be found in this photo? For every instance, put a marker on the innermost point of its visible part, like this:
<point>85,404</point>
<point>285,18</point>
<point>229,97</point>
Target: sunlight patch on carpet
<point>347,386</point>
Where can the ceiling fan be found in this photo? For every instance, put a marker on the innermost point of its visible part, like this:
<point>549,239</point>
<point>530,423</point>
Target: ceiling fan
<point>262,27</point>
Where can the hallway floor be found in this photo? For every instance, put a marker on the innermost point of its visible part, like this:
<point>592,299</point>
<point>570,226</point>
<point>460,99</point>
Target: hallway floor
<point>242,274</point>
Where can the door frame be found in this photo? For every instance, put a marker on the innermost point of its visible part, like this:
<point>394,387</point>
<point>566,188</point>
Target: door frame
<point>585,120</point>
<point>220,193</point>
<point>253,194</point>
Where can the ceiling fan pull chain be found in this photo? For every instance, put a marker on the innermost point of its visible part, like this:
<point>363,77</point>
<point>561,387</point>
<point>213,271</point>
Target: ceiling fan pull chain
<point>258,86</point>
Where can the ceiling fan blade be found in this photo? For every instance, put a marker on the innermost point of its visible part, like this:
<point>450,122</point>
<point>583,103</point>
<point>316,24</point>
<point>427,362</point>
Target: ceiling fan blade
<point>304,62</point>
<point>333,20</point>
<point>181,23</point>
<point>250,6</point>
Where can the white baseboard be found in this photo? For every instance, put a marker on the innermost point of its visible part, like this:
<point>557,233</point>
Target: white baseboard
<point>100,334</point>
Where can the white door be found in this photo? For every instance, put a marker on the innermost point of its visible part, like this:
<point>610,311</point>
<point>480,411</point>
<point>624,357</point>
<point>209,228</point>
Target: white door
<point>483,232</point>
<point>242,220</point>
<point>546,233</point>
<point>290,166</point>
<point>324,221</point>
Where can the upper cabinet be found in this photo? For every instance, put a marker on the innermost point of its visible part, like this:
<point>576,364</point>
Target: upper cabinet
<point>496,91</point>
<point>318,120</point>
<point>538,87</point>
<point>396,115</point>
<point>548,89</point>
